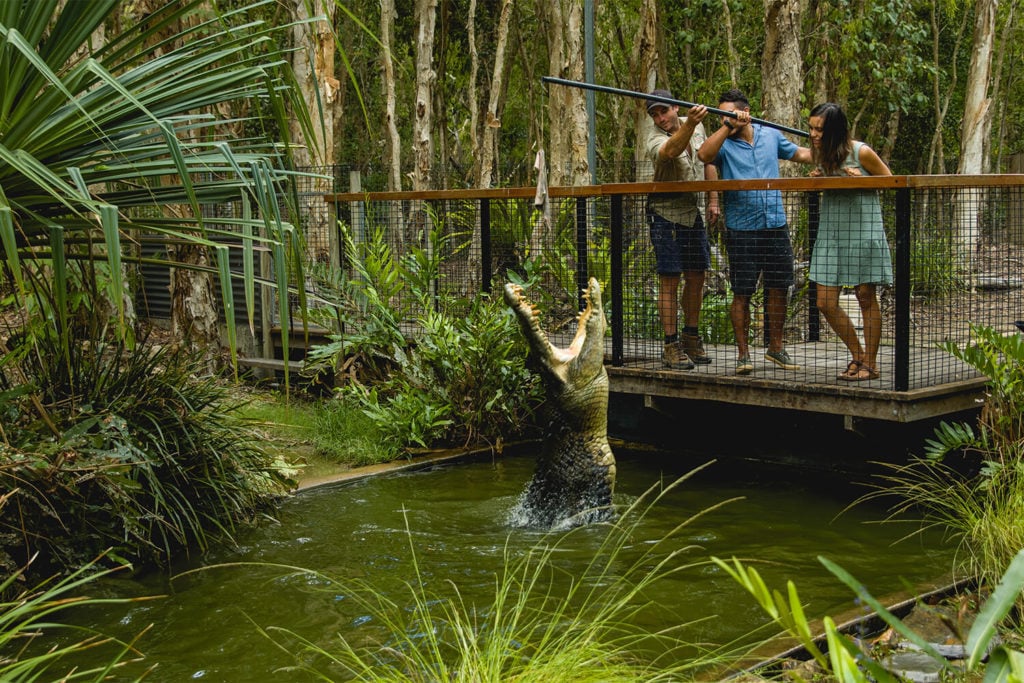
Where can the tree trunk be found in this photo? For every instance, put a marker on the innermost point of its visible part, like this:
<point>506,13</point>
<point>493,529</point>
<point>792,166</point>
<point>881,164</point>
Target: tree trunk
<point>558,143</point>
<point>313,64</point>
<point>820,45</point>
<point>645,75</point>
<point>422,143</point>
<point>566,106</point>
<point>491,121</point>
<point>997,86</point>
<point>577,109</point>
<point>194,305</point>
<point>733,58</point>
<point>387,22</point>
<point>781,80</point>
<point>976,126</point>
<point>474,106</point>
<point>977,122</point>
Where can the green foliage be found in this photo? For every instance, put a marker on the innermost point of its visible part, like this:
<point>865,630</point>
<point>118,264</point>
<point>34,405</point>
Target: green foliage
<point>462,381</point>
<point>934,267</point>
<point>1001,359</point>
<point>715,320</point>
<point>972,480</point>
<point>559,260</point>
<point>82,183</point>
<point>343,433</point>
<point>30,613</point>
<point>434,371</point>
<point>106,448</point>
<point>541,626</point>
<point>848,661</point>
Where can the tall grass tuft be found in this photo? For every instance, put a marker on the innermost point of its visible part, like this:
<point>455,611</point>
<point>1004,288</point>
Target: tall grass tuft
<point>540,626</point>
<point>984,514</point>
<point>31,613</point>
<point>138,453</point>
<point>971,481</point>
<point>344,433</point>
<point>853,660</point>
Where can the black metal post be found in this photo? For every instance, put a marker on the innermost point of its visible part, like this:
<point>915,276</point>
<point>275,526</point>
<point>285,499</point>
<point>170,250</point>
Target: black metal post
<point>616,266</point>
<point>901,284</point>
<point>582,265</point>
<point>813,314</point>
<point>486,272</point>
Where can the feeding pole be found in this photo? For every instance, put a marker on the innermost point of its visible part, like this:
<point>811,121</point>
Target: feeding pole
<point>667,100</point>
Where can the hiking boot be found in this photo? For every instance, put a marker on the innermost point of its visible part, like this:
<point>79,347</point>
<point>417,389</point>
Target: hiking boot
<point>744,366</point>
<point>782,359</point>
<point>675,357</point>
<point>694,348</point>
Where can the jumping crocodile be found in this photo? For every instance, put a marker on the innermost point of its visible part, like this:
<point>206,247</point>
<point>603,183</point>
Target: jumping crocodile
<point>575,472</point>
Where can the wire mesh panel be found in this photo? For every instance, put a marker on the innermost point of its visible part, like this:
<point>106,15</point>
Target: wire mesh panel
<point>965,257</point>
<point>936,256</point>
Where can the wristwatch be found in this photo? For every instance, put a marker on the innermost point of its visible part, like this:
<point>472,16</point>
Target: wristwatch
<point>728,124</point>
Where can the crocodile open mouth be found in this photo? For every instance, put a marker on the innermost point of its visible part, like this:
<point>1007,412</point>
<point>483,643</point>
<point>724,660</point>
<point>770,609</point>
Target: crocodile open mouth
<point>527,310</point>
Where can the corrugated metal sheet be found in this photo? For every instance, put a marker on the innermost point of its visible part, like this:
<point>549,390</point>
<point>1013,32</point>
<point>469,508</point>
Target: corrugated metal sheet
<point>153,298</point>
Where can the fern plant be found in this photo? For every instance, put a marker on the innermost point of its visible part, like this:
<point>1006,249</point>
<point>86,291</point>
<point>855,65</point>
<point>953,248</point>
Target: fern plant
<point>444,371</point>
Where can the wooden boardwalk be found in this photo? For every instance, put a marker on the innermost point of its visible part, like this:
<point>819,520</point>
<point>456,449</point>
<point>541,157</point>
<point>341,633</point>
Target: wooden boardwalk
<point>941,385</point>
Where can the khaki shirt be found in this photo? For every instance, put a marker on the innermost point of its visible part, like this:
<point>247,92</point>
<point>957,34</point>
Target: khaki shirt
<point>683,207</point>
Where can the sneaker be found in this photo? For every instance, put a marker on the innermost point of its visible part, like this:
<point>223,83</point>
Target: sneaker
<point>744,366</point>
<point>675,357</point>
<point>694,347</point>
<point>782,359</point>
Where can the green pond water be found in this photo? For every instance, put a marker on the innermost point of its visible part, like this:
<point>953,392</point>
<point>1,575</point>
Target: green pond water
<point>207,625</point>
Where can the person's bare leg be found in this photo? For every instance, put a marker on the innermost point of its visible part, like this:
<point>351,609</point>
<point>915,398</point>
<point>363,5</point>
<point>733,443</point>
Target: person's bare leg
<point>775,309</point>
<point>693,297</point>
<point>739,313</point>
<point>871,311</point>
<point>668,303</point>
<point>838,320</point>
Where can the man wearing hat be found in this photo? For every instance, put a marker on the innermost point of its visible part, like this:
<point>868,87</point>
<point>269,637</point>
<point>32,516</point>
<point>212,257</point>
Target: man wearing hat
<point>677,228</point>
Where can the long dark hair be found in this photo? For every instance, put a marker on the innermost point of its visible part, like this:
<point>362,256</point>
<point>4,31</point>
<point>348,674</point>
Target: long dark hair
<point>835,137</point>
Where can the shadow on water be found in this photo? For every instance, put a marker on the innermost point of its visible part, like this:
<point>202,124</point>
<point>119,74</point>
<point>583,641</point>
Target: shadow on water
<point>457,520</point>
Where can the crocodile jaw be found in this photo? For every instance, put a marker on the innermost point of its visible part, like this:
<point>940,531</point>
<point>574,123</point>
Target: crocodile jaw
<point>578,357</point>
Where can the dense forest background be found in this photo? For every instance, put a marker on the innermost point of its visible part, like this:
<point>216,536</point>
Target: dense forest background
<point>428,94</point>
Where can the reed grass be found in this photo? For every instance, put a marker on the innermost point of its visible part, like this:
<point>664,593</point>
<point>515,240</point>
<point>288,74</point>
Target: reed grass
<point>30,617</point>
<point>971,481</point>
<point>540,624</point>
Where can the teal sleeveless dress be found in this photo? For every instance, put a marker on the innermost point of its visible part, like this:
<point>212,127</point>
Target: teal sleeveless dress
<point>851,248</point>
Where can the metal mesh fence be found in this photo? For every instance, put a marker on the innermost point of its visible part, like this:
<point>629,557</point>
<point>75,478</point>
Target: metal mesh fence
<point>955,254</point>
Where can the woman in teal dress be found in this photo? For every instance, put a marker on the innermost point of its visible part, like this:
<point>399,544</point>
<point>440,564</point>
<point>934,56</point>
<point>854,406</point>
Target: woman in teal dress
<point>850,249</point>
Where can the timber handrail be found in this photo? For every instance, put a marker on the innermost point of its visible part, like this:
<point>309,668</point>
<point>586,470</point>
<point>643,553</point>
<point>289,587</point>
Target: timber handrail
<point>787,184</point>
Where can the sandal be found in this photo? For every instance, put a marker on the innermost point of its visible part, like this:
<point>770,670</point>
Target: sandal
<point>851,371</point>
<point>864,372</point>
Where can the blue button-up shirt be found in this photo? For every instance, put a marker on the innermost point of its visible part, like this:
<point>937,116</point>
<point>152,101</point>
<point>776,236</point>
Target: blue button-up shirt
<point>739,160</point>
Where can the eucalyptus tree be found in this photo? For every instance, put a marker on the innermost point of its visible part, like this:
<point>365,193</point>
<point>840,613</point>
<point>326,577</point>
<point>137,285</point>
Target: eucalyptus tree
<point>107,147</point>
<point>781,63</point>
<point>313,62</point>
<point>426,75</point>
<point>977,122</point>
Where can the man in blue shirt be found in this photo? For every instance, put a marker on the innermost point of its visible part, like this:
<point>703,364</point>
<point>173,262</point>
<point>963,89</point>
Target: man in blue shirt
<point>757,235</point>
